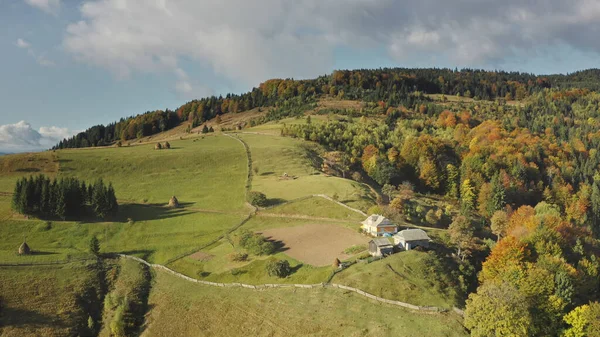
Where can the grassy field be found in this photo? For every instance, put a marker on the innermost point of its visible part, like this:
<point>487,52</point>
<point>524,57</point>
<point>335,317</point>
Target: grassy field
<point>182,308</point>
<point>406,276</point>
<point>317,207</point>
<point>196,171</point>
<point>41,301</point>
<point>273,156</point>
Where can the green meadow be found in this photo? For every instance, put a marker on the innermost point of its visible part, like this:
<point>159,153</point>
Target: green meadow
<point>181,308</point>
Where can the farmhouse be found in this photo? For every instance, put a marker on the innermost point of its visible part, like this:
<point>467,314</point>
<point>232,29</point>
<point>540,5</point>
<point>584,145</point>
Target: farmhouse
<point>410,238</point>
<point>380,247</point>
<point>377,225</point>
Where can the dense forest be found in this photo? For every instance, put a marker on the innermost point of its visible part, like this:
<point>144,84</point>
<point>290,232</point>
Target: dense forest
<point>63,198</point>
<point>391,86</point>
<point>528,174</point>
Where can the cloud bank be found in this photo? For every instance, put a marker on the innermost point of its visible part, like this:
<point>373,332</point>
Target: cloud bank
<point>22,137</point>
<point>250,41</point>
<point>49,6</point>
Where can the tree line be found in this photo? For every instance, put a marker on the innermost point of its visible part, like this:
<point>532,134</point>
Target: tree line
<point>63,198</point>
<point>391,86</point>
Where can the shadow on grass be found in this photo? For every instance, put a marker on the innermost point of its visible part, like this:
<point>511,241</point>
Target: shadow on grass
<point>145,212</point>
<point>267,173</point>
<point>279,245</point>
<point>28,170</point>
<point>37,252</point>
<point>17,317</point>
<point>274,201</point>
<point>141,253</point>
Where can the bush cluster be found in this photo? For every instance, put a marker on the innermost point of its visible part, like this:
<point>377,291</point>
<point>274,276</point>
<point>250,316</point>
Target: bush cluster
<point>279,268</point>
<point>255,243</point>
<point>257,199</point>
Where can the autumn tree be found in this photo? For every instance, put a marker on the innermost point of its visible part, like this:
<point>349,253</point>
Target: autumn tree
<point>388,190</point>
<point>497,310</point>
<point>462,235</point>
<point>499,224</point>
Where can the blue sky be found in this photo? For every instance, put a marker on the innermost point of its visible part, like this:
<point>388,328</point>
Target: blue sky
<point>67,65</point>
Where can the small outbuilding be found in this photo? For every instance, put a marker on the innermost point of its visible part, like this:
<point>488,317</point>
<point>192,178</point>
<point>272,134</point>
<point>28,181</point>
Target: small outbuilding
<point>24,249</point>
<point>380,247</point>
<point>378,225</point>
<point>410,238</point>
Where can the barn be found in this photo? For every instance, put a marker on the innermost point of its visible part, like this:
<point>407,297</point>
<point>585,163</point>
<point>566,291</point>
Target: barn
<point>380,247</point>
<point>410,238</point>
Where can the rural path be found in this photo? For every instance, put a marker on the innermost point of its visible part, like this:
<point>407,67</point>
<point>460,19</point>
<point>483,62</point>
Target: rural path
<point>263,287</point>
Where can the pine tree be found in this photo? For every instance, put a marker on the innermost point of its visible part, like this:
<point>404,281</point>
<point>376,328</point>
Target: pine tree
<point>497,201</point>
<point>467,197</point>
<point>94,245</point>
<point>60,208</point>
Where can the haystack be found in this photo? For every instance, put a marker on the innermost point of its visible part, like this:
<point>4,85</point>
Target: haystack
<point>167,145</point>
<point>24,249</point>
<point>174,202</point>
<point>157,146</point>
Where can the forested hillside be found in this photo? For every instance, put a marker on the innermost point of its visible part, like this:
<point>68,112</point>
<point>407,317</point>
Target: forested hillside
<point>391,86</point>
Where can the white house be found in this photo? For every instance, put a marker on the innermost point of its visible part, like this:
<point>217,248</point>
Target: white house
<point>377,225</point>
<point>410,238</point>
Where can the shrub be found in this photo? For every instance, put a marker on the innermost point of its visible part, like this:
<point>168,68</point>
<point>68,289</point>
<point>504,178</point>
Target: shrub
<point>46,226</point>
<point>235,271</point>
<point>279,268</point>
<point>255,243</point>
<point>257,198</point>
<point>431,217</point>
<point>238,257</point>
<point>375,210</point>
<point>357,176</point>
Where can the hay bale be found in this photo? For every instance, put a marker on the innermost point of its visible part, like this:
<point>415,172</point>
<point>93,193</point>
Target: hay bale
<point>167,145</point>
<point>173,202</point>
<point>158,146</point>
<point>24,249</point>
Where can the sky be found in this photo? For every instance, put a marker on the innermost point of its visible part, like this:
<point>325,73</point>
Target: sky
<point>66,65</point>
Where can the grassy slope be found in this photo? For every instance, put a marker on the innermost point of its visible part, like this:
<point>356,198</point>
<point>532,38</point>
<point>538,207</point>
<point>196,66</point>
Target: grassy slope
<point>317,207</point>
<point>274,156</point>
<point>181,308</point>
<point>195,171</point>
<point>413,280</point>
<point>39,301</point>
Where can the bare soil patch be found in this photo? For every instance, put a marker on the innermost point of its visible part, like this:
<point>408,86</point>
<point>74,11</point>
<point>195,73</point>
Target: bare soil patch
<point>201,256</point>
<point>317,245</point>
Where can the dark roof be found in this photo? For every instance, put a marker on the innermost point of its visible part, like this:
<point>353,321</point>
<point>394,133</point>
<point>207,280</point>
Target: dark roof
<point>413,235</point>
<point>382,242</point>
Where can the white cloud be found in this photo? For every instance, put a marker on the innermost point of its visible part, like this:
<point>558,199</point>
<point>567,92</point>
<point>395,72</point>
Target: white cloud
<point>250,41</point>
<point>48,6</point>
<point>22,137</point>
<point>23,44</point>
<point>41,59</point>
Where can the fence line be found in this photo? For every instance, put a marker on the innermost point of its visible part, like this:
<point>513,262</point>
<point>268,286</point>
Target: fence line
<point>304,286</point>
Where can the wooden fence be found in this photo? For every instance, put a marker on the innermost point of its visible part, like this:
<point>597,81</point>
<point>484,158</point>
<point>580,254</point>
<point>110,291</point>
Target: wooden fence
<point>304,286</point>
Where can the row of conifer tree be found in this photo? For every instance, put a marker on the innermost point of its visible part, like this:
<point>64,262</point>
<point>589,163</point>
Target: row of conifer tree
<point>63,198</point>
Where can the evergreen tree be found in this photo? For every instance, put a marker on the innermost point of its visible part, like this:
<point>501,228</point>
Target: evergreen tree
<point>94,245</point>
